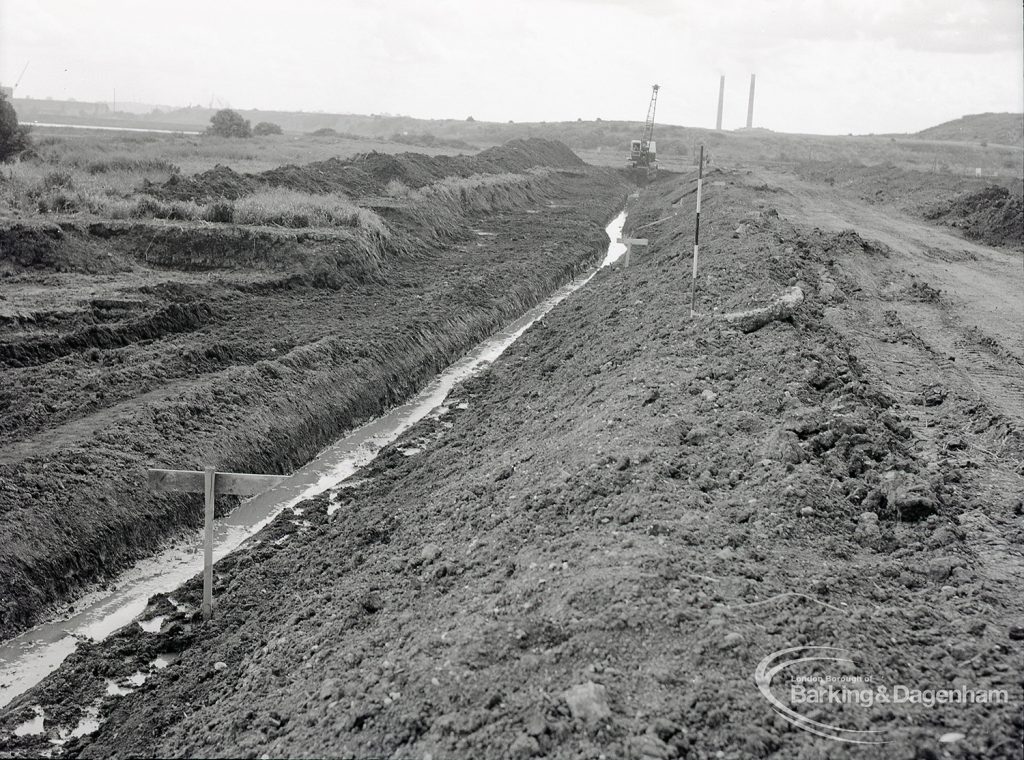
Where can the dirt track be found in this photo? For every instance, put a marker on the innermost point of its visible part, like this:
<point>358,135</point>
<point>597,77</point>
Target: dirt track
<point>648,503</point>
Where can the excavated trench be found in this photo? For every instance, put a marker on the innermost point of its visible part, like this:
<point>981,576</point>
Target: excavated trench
<point>26,659</point>
<point>296,337</point>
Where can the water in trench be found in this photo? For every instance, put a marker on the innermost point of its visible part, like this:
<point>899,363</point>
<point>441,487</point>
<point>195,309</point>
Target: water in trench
<point>26,659</point>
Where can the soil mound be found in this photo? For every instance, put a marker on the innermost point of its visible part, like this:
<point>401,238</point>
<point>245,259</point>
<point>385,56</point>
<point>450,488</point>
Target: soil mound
<point>219,182</point>
<point>332,175</point>
<point>520,155</point>
<point>993,215</point>
<point>371,173</point>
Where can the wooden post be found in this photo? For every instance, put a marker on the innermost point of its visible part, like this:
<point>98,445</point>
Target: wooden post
<point>210,483</point>
<point>696,235</point>
<point>629,243</point>
<point>210,479</point>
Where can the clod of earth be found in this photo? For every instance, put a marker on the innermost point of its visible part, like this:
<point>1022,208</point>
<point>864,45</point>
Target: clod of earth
<point>587,701</point>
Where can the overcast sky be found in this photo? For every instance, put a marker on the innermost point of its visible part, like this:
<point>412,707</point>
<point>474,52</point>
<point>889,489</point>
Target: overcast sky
<point>823,66</point>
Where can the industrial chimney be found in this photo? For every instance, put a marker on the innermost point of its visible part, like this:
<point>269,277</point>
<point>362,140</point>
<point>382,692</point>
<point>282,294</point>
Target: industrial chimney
<point>721,102</point>
<point>750,104</point>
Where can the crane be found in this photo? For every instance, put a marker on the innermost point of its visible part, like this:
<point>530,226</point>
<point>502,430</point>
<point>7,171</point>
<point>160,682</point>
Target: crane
<point>643,152</point>
<point>21,76</point>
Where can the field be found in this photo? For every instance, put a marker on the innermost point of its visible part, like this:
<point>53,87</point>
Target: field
<point>591,547</point>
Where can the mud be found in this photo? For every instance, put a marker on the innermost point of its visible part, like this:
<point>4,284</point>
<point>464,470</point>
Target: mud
<point>248,348</point>
<point>593,549</point>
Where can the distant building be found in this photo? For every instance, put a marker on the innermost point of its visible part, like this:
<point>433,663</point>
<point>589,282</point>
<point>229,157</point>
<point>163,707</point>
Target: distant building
<point>34,109</point>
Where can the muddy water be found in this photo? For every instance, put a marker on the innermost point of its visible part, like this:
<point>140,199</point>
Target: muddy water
<point>30,657</point>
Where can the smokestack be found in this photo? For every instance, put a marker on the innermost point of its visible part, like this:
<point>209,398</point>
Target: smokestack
<point>721,102</point>
<point>750,104</point>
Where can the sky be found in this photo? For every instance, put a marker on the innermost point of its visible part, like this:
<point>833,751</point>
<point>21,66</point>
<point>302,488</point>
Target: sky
<point>822,66</point>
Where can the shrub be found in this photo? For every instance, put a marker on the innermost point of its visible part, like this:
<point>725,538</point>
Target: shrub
<point>324,132</point>
<point>14,138</point>
<point>397,189</point>
<point>228,123</point>
<point>61,178</point>
<point>120,208</point>
<point>293,208</point>
<point>266,128</point>
<point>146,206</point>
<point>129,164</point>
<point>219,211</point>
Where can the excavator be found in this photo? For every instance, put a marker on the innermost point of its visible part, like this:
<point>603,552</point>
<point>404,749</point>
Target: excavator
<point>643,153</point>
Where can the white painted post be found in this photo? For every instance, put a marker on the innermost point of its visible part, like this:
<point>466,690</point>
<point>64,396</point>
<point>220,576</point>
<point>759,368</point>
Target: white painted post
<point>210,476</point>
<point>696,231</point>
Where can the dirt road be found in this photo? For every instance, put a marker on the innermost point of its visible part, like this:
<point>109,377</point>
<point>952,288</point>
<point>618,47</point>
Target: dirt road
<point>609,535</point>
<point>981,286</point>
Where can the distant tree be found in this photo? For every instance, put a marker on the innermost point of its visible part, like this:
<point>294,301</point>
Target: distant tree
<point>470,118</point>
<point>228,123</point>
<point>14,139</point>
<point>267,128</point>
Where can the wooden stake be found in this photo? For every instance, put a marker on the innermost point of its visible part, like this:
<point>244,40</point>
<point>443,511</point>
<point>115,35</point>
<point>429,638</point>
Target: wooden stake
<point>696,234</point>
<point>210,483</point>
<point>629,243</point>
<point>210,475</point>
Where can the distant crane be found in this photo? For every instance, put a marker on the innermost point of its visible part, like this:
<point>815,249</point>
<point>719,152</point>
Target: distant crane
<point>8,92</point>
<point>20,76</point>
<point>643,153</point>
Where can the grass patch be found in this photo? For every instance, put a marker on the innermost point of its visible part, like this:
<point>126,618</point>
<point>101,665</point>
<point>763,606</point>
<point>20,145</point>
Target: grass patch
<point>292,208</point>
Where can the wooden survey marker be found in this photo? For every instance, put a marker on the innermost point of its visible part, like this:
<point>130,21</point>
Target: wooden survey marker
<point>629,243</point>
<point>210,482</point>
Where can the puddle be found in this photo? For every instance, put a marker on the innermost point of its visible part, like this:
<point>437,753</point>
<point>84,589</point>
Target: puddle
<point>154,625</point>
<point>162,661</point>
<point>137,678</point>
<point>113,690</point>
<point>30,657</point>
<point>32,727</point>
<point>89,723</point>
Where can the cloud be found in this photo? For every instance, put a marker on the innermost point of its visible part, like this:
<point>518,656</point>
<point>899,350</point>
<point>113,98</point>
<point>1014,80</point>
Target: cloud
<point>952,26</point>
